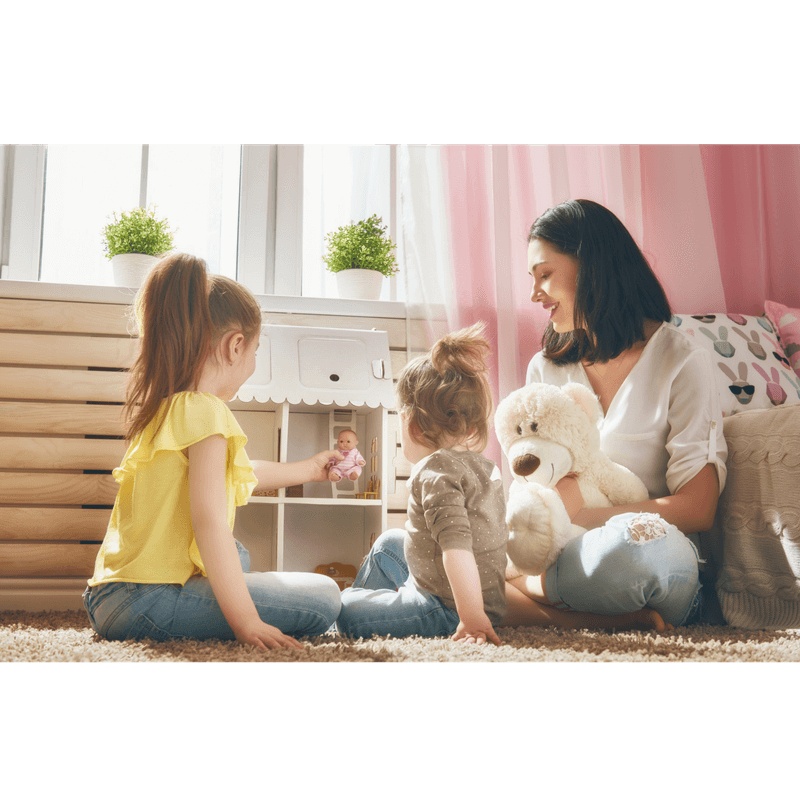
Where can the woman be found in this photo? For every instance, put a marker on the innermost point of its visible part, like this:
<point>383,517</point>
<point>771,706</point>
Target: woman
<point>609,330</point>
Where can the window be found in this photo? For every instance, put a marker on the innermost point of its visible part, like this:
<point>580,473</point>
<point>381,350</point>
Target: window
<point>195,187</point>
<point>343,184</point>
<point>258,213</point>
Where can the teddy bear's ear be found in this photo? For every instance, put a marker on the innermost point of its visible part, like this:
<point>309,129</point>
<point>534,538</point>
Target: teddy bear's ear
<point>585,398</point>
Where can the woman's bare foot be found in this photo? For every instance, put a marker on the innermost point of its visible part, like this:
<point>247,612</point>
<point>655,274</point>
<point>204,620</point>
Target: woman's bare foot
<point>523,611</point>
<point>645,619</point>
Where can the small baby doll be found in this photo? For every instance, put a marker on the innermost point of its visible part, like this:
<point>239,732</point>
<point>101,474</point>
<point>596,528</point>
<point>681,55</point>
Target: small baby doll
<point>350,465</point>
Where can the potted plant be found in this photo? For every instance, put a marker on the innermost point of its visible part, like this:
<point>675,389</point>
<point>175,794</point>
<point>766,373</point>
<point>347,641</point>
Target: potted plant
<point>134,241</point>
<point>361,254</point>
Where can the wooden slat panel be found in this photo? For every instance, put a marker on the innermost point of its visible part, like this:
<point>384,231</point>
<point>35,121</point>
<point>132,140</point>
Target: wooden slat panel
<point>61,418</point>
<point>19,452</point>
<point>66,351</point>
<point>30,383</point>
<point>395,328</point>
<point>47,560</point>
<point>31,488</point>
<point>53,523</point>
<point>63,316</point>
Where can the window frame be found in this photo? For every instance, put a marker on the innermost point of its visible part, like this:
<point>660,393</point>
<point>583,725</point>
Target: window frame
<point>270,241</point>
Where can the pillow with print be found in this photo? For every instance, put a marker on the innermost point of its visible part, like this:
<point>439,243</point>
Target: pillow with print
<point>786,322</point>
<point>751,368</point>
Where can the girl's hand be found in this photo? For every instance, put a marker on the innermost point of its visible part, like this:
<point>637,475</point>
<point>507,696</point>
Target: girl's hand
<point>476,630</point>
<point>264,636</point>
<point>318,464</point>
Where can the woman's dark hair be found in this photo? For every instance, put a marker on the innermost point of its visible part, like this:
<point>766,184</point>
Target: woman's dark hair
<point>616,290</point>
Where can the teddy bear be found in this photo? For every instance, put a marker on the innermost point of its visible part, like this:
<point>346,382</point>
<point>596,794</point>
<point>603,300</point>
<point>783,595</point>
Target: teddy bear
<point>547,432</point>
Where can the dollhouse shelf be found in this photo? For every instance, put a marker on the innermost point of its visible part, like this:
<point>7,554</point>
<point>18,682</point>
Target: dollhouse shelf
<point>307,383</point>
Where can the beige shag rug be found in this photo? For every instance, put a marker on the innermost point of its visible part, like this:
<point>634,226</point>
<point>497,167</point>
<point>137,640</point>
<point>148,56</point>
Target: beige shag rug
<point>67,637</point>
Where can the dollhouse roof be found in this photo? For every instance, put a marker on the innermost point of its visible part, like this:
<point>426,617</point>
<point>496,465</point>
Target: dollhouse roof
<point>321,365</point>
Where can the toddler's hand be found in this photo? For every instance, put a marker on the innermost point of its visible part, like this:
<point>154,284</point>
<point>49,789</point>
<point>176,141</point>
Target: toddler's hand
<point>476,630</point>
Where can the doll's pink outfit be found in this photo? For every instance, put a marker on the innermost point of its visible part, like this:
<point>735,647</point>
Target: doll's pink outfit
<point>352,462</point>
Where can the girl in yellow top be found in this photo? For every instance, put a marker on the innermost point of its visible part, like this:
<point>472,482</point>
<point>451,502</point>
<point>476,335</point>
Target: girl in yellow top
<point>169,565</point>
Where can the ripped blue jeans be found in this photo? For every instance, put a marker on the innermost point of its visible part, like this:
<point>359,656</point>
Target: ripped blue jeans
<point>632,561</point>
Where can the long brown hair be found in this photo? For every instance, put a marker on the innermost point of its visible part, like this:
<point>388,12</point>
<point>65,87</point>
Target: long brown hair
<point>181,314</point>
<point>446,393</point>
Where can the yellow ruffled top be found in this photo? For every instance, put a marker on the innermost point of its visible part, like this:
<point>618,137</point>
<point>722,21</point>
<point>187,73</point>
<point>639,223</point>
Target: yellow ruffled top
<point>150,537</point>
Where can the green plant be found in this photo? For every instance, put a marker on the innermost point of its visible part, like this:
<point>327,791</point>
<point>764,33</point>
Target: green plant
<point>361,245</point>
<point>137,231</point>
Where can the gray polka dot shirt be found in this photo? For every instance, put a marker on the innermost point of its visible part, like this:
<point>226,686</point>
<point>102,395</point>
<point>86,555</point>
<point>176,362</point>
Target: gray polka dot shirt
<point>456,501</point>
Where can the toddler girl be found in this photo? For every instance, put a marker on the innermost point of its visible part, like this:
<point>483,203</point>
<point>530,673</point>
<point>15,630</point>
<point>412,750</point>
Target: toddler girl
<point>450,577</point>
<point>169,565</point>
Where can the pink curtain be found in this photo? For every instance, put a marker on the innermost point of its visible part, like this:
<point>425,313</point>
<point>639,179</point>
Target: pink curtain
<point>719,224</point>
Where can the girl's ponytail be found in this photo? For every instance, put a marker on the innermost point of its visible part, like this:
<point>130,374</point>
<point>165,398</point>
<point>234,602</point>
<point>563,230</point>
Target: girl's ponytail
<point>181,314</point>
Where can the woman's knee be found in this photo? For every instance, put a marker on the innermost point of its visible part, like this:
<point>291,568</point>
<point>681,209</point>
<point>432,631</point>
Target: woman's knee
<point>631,561</point>
<point>632,544</point>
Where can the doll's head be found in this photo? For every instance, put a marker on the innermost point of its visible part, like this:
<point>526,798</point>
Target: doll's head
<point>347,440</point>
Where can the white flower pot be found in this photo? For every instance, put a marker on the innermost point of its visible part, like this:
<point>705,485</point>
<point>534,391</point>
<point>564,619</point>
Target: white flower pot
<point>131,268</point>
<point>359,284</point>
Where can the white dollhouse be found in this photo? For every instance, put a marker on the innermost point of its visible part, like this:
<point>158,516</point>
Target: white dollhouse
<point>309,385</point>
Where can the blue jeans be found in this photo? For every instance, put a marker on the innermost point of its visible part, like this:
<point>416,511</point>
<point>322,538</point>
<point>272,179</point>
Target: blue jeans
<point>609,571</point>
<point>297,603</point>
<point>385,601</point>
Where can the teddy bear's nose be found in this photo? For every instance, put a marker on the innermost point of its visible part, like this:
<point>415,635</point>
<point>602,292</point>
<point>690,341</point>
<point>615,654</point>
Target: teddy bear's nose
<point>526,464</point>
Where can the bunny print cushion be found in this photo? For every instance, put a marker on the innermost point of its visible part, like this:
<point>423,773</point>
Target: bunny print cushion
<point>752,369</point>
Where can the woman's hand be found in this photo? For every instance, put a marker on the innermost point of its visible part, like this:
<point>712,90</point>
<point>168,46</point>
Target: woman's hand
<point>264,636</point>
<point>570,494</point>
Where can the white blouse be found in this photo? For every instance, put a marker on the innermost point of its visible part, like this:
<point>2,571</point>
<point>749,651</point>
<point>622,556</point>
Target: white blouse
<point>664,423</point>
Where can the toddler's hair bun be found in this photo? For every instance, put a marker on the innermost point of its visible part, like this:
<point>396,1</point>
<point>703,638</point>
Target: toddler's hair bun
<point>462,352</point>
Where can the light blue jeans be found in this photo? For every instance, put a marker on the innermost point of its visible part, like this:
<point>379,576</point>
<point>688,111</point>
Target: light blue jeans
<point>384,601</point>
<point>605,571</point>
<point>608,570</point>
<point>298,603</point>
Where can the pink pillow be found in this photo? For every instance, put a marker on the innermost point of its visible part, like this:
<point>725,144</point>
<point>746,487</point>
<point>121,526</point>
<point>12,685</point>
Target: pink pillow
<point>787,323</point>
